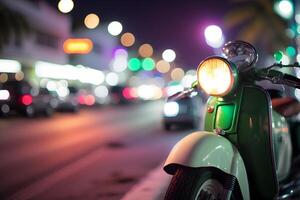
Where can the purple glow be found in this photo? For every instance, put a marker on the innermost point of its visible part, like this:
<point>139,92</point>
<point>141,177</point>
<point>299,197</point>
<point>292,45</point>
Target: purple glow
<point>120,53</point>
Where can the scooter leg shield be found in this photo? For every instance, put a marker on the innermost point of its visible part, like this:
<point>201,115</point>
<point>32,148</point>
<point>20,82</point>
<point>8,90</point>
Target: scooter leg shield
<point>206,149</point>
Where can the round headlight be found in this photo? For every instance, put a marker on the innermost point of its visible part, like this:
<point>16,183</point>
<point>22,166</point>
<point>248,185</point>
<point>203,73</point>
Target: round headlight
<point>216,76</point>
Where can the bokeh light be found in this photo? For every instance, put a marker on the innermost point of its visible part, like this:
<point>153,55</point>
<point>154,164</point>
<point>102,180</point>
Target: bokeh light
<point>112,79</point>
<point>285,60</point>
<point>291,51</point>
<point>169,55</point>
<point>65,6</point>
<point>101,91</point>
<point>284,8</point>
<point>297,18</point>
<point>115,28</point>
<point>120,60</point>
<point>148,64</point>
<point>19,76</point>
<point>188,80</point>
<point>91,21</point>
<point>214,36</point>
<point>163,66</point>
<point>134,64</point>
<point>127,39</point>
<point>3,77</point>
<point>298,58</point>
<point>278,55</point>
<point>146,50</point>
<point>177,74</point>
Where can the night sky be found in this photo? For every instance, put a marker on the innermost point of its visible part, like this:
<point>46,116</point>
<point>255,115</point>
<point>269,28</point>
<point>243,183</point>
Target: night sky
<point>178,25</point>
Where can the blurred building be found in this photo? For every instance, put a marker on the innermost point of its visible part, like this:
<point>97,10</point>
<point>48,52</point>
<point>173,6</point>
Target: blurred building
<point>104,46</point>
<point>47,31</point>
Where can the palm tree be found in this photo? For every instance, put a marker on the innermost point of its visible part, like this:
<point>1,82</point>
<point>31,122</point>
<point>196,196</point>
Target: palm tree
<point>257,23</point>
<point>12,26</point>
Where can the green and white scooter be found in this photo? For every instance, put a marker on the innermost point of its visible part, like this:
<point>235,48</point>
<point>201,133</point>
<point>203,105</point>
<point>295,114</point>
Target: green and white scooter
<point>245,150</point>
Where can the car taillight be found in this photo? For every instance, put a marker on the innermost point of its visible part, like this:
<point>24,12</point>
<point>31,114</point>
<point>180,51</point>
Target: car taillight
<point>26,99</point>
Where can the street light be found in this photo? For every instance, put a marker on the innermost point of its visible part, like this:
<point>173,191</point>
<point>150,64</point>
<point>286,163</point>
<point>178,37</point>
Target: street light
<point>214,36</point>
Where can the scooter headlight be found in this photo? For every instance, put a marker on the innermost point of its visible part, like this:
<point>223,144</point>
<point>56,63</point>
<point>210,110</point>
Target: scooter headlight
<point>216,76</point>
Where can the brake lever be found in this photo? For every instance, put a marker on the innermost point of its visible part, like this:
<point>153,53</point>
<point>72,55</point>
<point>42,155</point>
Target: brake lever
<point>185,93</point>
<point>181,95</point>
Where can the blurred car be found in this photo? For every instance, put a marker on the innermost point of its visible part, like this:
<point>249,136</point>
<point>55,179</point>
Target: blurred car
<point>117,95</point>
<point>21,97</point>
<point>70,102</point>
<point>185,112</point>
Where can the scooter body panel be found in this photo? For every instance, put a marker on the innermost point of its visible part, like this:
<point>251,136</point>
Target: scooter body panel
<point>282,145</point>
<point>251,132</point>
<point>206,149</point>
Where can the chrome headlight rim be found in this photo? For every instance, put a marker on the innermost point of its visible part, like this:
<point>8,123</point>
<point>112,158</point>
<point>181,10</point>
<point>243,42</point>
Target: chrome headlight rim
<point>233,76</point>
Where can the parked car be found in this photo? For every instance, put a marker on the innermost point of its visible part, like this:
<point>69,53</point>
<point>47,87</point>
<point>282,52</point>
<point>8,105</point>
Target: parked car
<point>186,112</point>
<point>69,103</point>
<point>21,97</point>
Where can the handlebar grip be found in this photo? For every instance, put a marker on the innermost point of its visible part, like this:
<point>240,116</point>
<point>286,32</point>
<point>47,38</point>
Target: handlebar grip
<point>291,81</point>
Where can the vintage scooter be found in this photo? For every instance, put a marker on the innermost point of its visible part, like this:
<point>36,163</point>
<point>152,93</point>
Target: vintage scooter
<point>245,150</point>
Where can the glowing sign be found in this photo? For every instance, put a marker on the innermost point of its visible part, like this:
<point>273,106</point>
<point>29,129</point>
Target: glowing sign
<point>78,46</point>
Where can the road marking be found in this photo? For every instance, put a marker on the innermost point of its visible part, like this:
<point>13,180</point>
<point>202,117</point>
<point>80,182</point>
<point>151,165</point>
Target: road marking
<point>153,187</point>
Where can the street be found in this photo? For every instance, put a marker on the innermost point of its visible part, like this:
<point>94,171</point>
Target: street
<point>98,153</point>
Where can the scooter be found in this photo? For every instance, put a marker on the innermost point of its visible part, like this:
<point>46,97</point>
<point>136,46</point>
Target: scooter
<point>245,150</point>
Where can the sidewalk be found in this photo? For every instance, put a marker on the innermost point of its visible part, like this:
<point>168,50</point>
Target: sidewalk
<point>152,187</point>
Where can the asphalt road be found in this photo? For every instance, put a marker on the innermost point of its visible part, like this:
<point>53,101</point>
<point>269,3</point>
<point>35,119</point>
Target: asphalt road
<point>98,153</point>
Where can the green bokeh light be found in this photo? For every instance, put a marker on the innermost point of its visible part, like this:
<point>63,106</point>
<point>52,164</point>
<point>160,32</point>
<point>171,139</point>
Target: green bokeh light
<point>291,51</point>
<point>278,56</point>
<point>148,64</point>
<point>134,64</point>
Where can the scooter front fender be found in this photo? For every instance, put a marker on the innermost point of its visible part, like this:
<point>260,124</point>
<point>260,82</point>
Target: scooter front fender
<point>206,149</point>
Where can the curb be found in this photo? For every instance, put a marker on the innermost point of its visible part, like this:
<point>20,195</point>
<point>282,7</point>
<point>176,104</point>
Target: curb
<point>153,187</point>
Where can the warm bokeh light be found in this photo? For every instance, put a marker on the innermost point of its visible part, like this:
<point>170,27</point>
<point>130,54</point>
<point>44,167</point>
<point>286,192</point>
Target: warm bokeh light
<point>78,46</point>
<point>169,55</point>
<point>115,28</point>
<point>3,77</point>
<point>127,39</point>
<point>26,99</point>
<point>65,6</point>
<point>19,76</point>
<point>146,50</point>
<point>163,66</point>
<point>177,74</point>
<point>89,100</point>
<point>148,64</point>
<point>91,21</point>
